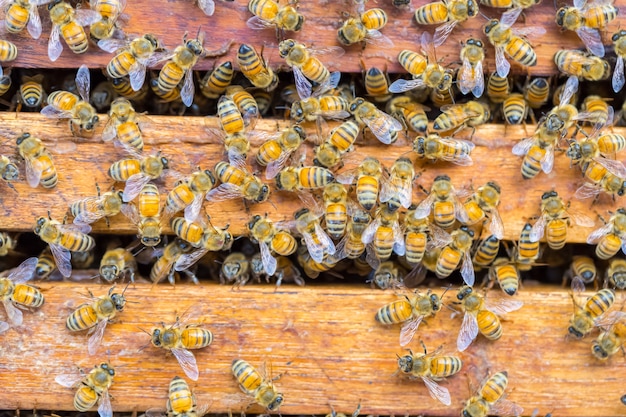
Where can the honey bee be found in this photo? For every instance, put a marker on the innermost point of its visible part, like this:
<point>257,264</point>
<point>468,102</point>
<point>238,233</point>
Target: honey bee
<point>8,242</point>
<point>117,263</point>
<point>92,209</point>
<point>132,58</point>
<point>214,83</point>
<point>538,150</point>
<point>448,12</point>
<point>444,203</point>
<point>586,21</point>
<point>171,261</point>
<point>470,76</point>
<point>95,316</point>
<point>45,265</point>
<point>137,172</point>
<point>63,239</point>
<point>122,124</point>
<point>63,104</point>
<point>236,269</point>
<point>92,388</point>
<point>8,170</point>
<point>383,236</point>
<point>485,252</point>
<point>388,274</point>
<point>368,177</point>
<point>582,65</point>
<point>619,44</point>
<point>271,238</point>
<point>376,83</point>
<point>68,22</point>
<point>31,93</point>
<point>554,220</point>
<point>382,125</point>
<point>505,272</point>
<point>15,293</point>
<point>268,14</point>
<point>339,142</point>
<point>615,274</point>
<point>21,14</point>
<point>498,88</point>
<point>312,268</point>
<point>537,92</point>
<point>336,214</point>
<point>303,178</point>
<point>286,271</point>
<point>598,110</point>
<point>257,384</point>
<point>585,317</point>
<point>431,367</point>
<point>307,68</point>
<point>582,268</point>
<point>181,402</point>
<point>412,113</point>
<point>180,337</point>
<point>318,243</point>
<point>457,116</point>
<point>314,109</point>
<point>365,28</point>
<point>189,193</point>
<point>457,251</point>
<point>255,69</point>
<point>612,338</point>
<point>275,152</point>
<point>352,246</point>
<point>409,311</point>
<point>610,237</point>
<point>237,183</point>
<point>480,315</point>
<point>397,189</point>
<point>233,131</point>
<point>146,215</point>
<point>509,41</point>
<point>435,147</point>
<point>8,52</point>
<point>484,202</point>
<point>490,399</point>
<point>123,88</point>
<point>245,102</point>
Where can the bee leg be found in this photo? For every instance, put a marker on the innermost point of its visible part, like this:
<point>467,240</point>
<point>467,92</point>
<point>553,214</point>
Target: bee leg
<point>106,220</point>
<point>192,276</point>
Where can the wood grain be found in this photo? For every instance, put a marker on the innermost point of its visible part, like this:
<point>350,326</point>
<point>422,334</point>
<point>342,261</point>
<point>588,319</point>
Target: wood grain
<point>87,162</point>
<point>170,20</point>
<point>322,340</point>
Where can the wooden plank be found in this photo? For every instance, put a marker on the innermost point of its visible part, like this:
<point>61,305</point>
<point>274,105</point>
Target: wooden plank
<point>170,20</point>
<point>324,342</point>
<point>88,163</point>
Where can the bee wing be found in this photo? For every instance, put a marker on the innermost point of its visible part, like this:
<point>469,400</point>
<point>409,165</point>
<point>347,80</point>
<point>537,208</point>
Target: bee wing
<point>186,261</point>
<point>547,161</point>
<point>4,326</point>
<point>256,23</point>
<point>93,213</point>
<point>398,245</point>
<point>24,272</point>
<point>130,211</point>
<point>423,209</point>
<point>618,75</point>
<point>274,167</point>
<point>62,258</point>
<point>510,16</point>
<point>522,147</point>
<point>187,92</point>
<point>502,306</point>
<point>502,65</point>
<point>14,314</point>
<point>55,47</point>
<point>408,330</point>
<point>400,86</point>
<point>443,31</point>
<point>86,17</point>
<point>536,232</point>
<point>459,211</point>
<point>368,234</point>
<point>372,258</point>
<point>579,4</point>
<point>458,158</point>
<point>530,31</point>
<point>479,80</point>
<point>581,219</point>
<point>52,112</point>
<point>607,320</point>
<point>571,87</point>
<point>505,407</point>
<point>68,380</point>
<point>96,338</point>
<point>111,45</point>
<point>415,276</point>
<point>34,23</point>
<point>192,211</point>
<point>467,269</point>
<point>224,192</point>
<point>340,249</point>
<point>375,38</point>
<point>325,240</point>
<point>465,82</point>
<point>468,332</point>
<point>346,177</point>
<point>83,81</point>
<point>438,237</point>
<point>137,75</point>
<point>188,362</point>
<point>331,82</point>
<point>382,125</point>
<point>105,409</point>
<point>496,227</point>
<point>269,262</point>
<point>615,167</point>
<point>110,130</point>
<point>303,85</point>
<point>436,391</point>
<point>592,40</point>
<point>207,6</point>
<point>595,236</point>
<point>133,186</point>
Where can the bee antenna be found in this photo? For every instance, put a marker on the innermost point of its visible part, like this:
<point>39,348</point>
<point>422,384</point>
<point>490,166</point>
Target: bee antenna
<point>485,16</point>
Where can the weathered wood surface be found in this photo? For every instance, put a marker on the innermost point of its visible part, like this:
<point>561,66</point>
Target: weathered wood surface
<point>170,20</point>
<point>324,342</point>
<point>86,164</point>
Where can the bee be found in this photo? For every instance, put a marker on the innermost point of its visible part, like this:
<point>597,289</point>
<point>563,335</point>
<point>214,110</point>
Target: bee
<point>515,109</point>
<point>235,268</point>
<point>365,28</point>
<point>585,317</point>
<point>63,239</point>
<point>237,183</point>
<point>388,274</point>
<point>22,14</point>
<point>312,268</point>
<point>314,109</point>
<point>582,268</point>
<point>538,150</point>
<point>8,170</point>
<point>615,274</point>
<point>45,265</point>
<point>256,384</point>
<point>255,69</point>
<point>470,76</point>
<point>172,260</point>
<point>537,92</point>
<point>420,236</point>
<point>181,402</point>
<point>68,23</point>
<point>457,251</point>
<point>435,147</point>
<point>92,209</point>
<point>246,104</point>
<point>307,68</point>
<point>271,238</point>
<point>490,399</point>
<point>431,367</point>
<point>505,272</point>
<point>509,41</point>
<point>233,131</point>
<point>612,338</point>
<point>448,12</point>
<point>8,242</point>
<point>598,110</point>
<point>586,21</point>
<point>189,193</point>
<point>472,114</point>
<point>5,83</point>
<point>179,338</point>
<point>146,215</point>
<point>95,316</point>
<point>132,58</point>
<point>286,271</point>
<point>318,243</point>
<point>8,52</point>
<point>268,14</point>
<point>339,142</point>
<point>123,88</point>
<point>484,202</point>
<point>554,220</point>
<point>368,177</point>
<point>610,237</point>
<point>409,311</point>
<point>444,203</point>
<point>352,246</point>
<point>527,250</point>
<point>214,83</point>
<point>523,4</point>
<point>376,84</point>
<point>137,172</point>
<point>410,112</point>
<point>15,293</point>
<point>582,65</point>
<point>122,124</point>
<point>397,189</point>
<point>117,263</point>
<point>303,178</point>
<point>619,44</point>
<point>498,88</point>
<point>485,252</point>
<point>383,236</point>
<point>480,315</point>
<point>92,388</point>
<point>63,104</point>
<point>275,152</point>
<point>382,125</point>
<point>414,63</point>
<point>336,214</point>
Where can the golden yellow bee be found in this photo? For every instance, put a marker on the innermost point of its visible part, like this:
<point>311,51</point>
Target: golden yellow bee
<point>457,116</point>
<point>235,269</point>
<point>31,93</point>
<point>376,83</point>
<point>22,14</point>
<point>352,246</point>
<point>537,92</point>
<point>510,41</point>
<point>448,12</point>
<point>368,176</point>
<point>123,125</point>
<point>15,293</point>
<point>91,209</point>
<point>245,102</point>
<point>237,183</point>
<point>276,150</point>
<point>397,189</point>
<point>8,52</point>
<point>410,112</point>
<point>582,268</point>
<point>615,274</point>
<point>312,268</point>
<point>339,142</point>
<point>435,147</point>
<point>586,316</point>
<point>307,68</point>
<point>410,311</point>
<point>257,384</point>
<point>585,20</point>
<point>582,65</point>
<point>268,14</point>
<point>255,69</point>
<point>382,125</point>
<point>180,337</point>
<point>470,75</point>
<point>317,242</point>
<point>485,252</point>
<point>444,203</point>
<point>117,263</point>
<point>612,338</point>
<point>480,315</point>
<point>383,236</point>
<point>484,203</point>
<point>455,252</point>
<point>490,399</point>
<point>137,172</point>
<point>95,316</point>
<point>68,23</point>
<point>132,58</point>
<point>92,388</point>
<point>619,44</point>
<point>431,367</point>
<point>498,88</point>
<point>335,198</point>
<point>146,215</point>
<point>214,83</point>
<point>303,178</point>
<point>63,239</point>
<point>46,265</point>
<point>181,402</point>
<point>271,238</point>
<point>170,261</point>
<point>505,272</point>
<point>365,28</point>
<point>555,219</point>
<point>189,193</point>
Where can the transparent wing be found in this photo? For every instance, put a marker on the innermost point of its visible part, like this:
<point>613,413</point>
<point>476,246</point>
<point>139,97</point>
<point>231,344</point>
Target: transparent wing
<point>14,314</point>
<point>62,258</point>
<point>316,250</point>
<point>459,157</point>
<point>502,65</point>
<point>468,332</point>
<point>130,211</point>
<point>134,185</point>
<point>256,23</point>
<point>188,362</point>
<point>618,75</point>
<point>24,272</point>
<point>53,112</point>
<point>374,37</point>
<point>4,326</point>
<point>459,211</point>
<point>581,219</point>
<point>83,81</point>
<point>467,269</point>
<point>269,262</point>
<point>595,236</point>
<point>536,232</point>
<point>592,40</point>
<point>408,330</point>
<point>110,130</point>
<point>224,192</point>
<point>68,380</point>
<point>382,125</point>
<point>466,81</point>
<point>207,6</point>
<point>436,391</point>
<point>443,31</point>
<point>34,23</point>
<point>521,148</point>
<point>86,17</point>
<point>479,80</point>
<point>571,87</point>
<point>303,85</point>
<point>547,161</point>
<point>105,409</point>
<point>510,16</point>
<point>496,227</point>
<point>188,260</point>
<point>137,75</point>
<point>96,338</point>
<point>398,240</point>
<point>423,209</point>
<point>502,306</point>
<point>192,211</point>
<point>111,45</point>
<point>93,212</point>
<point>274,167</point>
<point>400,86</point>
<point>416,276</point>
<point>187,92</point>
<point>54,44</point>
<point>613,166</point>
<point>368,234</point>
<point>505,407</point>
